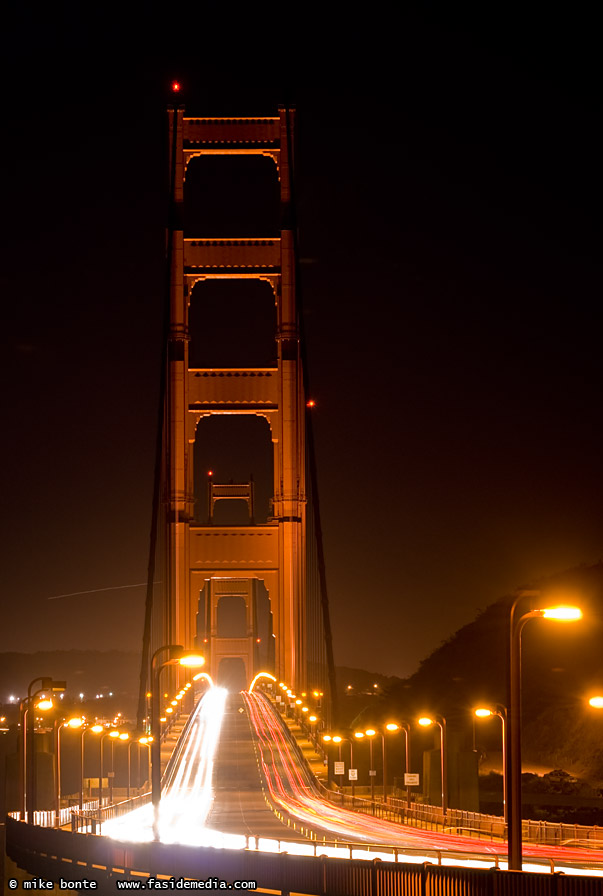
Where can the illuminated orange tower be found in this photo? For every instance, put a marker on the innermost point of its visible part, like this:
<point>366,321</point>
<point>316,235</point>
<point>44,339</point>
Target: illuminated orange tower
<point>230,560</point>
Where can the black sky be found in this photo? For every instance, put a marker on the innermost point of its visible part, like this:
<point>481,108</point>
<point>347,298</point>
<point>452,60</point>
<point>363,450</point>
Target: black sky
<point>449,211</point>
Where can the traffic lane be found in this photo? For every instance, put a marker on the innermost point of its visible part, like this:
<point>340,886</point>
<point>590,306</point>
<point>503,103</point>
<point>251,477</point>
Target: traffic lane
<point>292,790</point>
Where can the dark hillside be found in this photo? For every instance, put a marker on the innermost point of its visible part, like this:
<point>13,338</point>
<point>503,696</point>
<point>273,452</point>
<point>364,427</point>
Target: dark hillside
<point>562,667</point>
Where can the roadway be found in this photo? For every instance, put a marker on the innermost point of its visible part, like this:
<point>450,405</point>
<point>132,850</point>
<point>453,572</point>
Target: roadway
<point>239,756</point>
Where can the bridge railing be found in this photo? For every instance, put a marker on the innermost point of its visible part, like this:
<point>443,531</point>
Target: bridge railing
<point>91,820</point>
<point>52,853</point>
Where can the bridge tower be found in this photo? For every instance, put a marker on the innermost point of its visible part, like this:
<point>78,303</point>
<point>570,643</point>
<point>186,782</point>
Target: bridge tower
<point>212,559</point>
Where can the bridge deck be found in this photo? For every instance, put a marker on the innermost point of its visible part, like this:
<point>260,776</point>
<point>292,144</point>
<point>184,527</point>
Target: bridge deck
<point>239,806</point>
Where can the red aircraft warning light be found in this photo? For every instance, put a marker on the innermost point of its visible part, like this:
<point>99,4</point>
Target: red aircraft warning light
<point>311,403</point>
<point>176,86</point>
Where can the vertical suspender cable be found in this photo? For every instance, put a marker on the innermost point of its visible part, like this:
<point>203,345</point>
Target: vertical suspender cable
<point>324,599</point>
<point>148,610</point>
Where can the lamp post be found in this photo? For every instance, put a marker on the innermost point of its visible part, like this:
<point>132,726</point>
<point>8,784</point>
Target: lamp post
<point>390,728</point>
<point>177,656</point>
<point>513,753</point>
<point>112,734</point>
<point>370,733</point>
<point>144,741</point>
<point>338,740</point>
<point>73,723</point>
<point>440,721</point>
<point>500,711</point>
<point>122,736</point>
<point>27,758</point>
<point>95,729</point>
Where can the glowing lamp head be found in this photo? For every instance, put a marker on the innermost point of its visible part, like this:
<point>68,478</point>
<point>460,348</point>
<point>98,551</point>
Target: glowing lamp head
<point>96,729</point>
<point>425,721</point>
<point>298,702</point>
<point>313,718</point>
<point>124,735</point>
<point>596,702</point>
<point>326,738</point>
<point>45,704</point>
<point>391,726</point>
<point>192,659</point>
<point>483,713</point>
<point>359,734</point>
<point>75,723</point>
<point>562,614</point>
<point>337,739</point>
<point>114,734</point>
<point>370,732</point>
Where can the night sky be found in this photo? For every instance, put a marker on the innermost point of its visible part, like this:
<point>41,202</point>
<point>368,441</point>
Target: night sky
<point>448,205</point>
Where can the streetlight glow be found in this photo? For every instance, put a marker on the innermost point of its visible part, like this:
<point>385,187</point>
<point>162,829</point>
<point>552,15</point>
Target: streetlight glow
<point>562,614</point>
<point>483,713</point>
<point>192,659</point>
<point>391,726</point>
<point>425,721</point>
<point>596,702</point>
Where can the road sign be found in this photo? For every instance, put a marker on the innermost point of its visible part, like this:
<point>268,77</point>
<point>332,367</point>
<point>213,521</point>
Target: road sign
<point>411,780</point>
<point>339,768</point>
<point>353,774</point>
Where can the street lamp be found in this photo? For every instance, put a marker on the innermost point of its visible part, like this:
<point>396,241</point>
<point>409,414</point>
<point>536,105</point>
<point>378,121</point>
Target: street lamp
<point>513,753</point>
<point>440,721</point>
<point>112,734</point>
<point>27,758</point>
<point>392,727</point>
<point>95,729</point>
<point>484,712</point>
<point>73,723</point>
<point>370,733</point>
<point>177,656</point>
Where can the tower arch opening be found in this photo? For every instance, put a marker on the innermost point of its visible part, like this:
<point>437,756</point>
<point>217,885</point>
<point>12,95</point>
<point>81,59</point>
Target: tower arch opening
<point>232,616</point>
<point>234,448</point>
<point>232,673</point>
<point>232,323</point>
<point>231,196</point>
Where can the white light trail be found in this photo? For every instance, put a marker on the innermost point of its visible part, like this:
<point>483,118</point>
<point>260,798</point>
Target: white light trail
<point>188,795</point>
